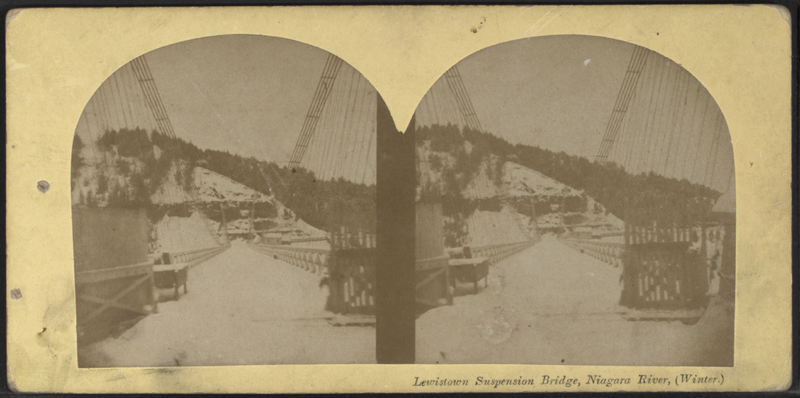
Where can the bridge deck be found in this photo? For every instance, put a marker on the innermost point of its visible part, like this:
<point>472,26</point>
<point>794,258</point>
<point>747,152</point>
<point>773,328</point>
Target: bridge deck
<point>546,304</point>
<point>551,303</point>
<point>242,308</point>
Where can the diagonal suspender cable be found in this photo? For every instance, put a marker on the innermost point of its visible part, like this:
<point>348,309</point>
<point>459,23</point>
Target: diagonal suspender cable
<point>632,73</point>
<point>324,87</point>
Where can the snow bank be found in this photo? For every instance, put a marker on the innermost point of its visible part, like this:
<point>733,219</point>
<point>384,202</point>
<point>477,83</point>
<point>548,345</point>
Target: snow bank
<point>184,233</point>
<point>488,227</point>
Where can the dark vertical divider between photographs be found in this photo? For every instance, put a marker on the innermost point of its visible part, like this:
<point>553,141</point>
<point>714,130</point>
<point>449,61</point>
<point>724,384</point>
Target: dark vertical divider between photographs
<point>396,184</point>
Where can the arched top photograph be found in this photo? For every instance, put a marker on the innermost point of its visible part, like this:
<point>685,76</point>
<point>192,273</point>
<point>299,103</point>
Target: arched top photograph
<point>586,182</point>
<point>238,165</point>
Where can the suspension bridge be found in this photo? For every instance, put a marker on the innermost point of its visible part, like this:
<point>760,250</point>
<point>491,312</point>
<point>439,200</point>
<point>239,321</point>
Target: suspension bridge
<point>146,215</point>
<point>663,122</point>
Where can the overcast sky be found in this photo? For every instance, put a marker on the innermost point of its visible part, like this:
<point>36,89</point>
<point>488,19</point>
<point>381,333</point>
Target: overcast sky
<point>244,94</point>
<point>558,93</point>
<point>250,95</point>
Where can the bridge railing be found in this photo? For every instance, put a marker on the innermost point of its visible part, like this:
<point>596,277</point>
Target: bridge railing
<point>607,252</point>
<point>192,257</point>
<point>349,265</point>
<point>312,260</point>
<point>496,252</point>
<point>636,235</point>
<point>310,239</point>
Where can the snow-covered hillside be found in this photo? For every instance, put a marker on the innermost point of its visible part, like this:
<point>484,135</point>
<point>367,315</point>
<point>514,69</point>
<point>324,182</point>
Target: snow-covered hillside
<point>522,192</point>
<point>483,184</point>
<point>522,181</point>
<point>215,187</point>
<point>209,187</point>
<point>105,176</point>
<point>521,184</point>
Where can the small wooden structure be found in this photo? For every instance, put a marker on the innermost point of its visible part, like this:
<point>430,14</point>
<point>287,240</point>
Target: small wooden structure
<point>172,269</point>
<point>469,269</point>
<point>351,270</point>
<point>168,275</point>
<point>113,273</point>
<point>464,266</point>
<point>660,272</point>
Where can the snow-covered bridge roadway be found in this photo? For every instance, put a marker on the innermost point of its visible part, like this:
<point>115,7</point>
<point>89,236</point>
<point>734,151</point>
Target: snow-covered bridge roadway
<point>242,307</point>
<point>550,304</point>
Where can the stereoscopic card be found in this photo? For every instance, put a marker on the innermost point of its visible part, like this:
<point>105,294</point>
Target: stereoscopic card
<point>399,199</point>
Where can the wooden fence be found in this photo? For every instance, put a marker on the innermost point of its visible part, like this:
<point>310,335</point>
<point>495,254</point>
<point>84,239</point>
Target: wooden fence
<point>660,272</point>
<point>352,281</point>
<point>637,235</point>
<point>113,274</point>
<point>663,276</point>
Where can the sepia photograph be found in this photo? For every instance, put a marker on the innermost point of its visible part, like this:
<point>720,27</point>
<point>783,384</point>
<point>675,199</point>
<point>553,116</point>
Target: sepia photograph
<point>575,205</point>
<point>223,199</point>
